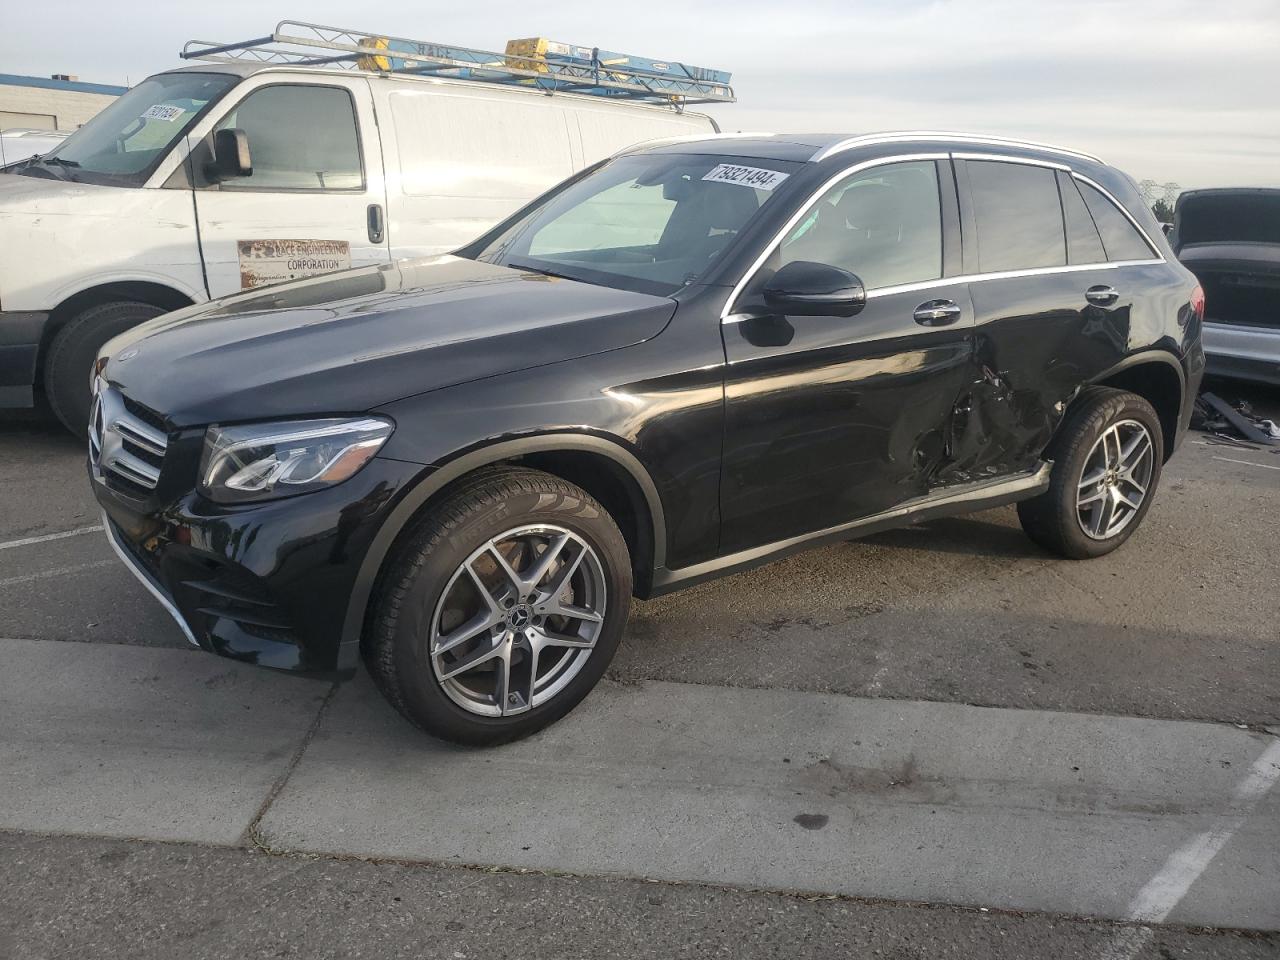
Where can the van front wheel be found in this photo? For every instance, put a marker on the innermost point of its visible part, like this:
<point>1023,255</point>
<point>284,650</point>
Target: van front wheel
<point>73,351</point>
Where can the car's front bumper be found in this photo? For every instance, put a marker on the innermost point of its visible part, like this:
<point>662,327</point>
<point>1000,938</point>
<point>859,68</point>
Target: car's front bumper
<point>266,583</point>
<point>20,336</point>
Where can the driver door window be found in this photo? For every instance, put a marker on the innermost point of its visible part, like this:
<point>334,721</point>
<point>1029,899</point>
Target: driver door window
<point>883,224</point>
<point>300,138</point>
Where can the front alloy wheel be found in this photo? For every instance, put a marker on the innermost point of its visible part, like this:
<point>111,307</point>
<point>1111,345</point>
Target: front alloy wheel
<point>518,620</point>
<point>501,608</point>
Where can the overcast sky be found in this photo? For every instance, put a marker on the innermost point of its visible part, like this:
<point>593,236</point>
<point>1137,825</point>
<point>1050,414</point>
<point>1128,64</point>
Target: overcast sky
<point>1169,90</point>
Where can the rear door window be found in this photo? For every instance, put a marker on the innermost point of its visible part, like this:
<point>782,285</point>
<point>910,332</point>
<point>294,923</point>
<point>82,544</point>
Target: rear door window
<point>1083,243</point>
<point>1018,216</point>
<point>1119,236</point>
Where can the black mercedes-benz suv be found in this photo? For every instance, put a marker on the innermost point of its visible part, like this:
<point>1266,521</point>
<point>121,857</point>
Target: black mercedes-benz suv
<point>688,359</point>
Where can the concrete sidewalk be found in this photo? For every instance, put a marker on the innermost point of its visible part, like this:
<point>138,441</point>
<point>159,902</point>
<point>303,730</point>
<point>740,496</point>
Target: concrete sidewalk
<point>1027,810</point>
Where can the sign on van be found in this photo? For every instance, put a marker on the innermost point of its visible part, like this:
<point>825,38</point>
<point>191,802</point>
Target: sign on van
<point>275,261</point>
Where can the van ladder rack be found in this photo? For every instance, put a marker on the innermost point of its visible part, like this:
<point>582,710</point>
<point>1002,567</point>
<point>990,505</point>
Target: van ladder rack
<point>535,63</point>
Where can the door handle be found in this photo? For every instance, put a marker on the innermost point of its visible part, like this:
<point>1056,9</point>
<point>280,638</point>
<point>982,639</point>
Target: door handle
<point>1102,295</point>
<point>377,223</point>
<point>937,313</point>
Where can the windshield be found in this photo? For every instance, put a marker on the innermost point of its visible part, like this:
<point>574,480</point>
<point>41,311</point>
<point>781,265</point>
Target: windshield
<point>125,142</point>
<point>649,222</point>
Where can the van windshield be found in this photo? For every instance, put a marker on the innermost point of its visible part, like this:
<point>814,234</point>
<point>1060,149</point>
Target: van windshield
<point>124,143</point>
<point>652,223</point>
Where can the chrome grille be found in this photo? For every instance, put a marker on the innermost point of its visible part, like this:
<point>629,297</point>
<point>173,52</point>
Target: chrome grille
<point>122,444</point>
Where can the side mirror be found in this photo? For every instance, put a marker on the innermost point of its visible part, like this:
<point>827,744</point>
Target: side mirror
<point>231,157</point>
<point>807,289</point>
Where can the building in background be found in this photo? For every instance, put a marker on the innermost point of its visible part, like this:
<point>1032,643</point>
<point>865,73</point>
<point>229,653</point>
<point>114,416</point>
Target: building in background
<point>60,102</point>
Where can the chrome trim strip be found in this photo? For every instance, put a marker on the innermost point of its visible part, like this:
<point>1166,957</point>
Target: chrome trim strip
<point>144,435</point>
<point>145,579</point>
<point>1120,206</point>
<point>1002,158</point>
<point>978,493</point>
<point>800,213</point>
<point>728,316</point>
<point>907,136</point>
<point>979,278</point>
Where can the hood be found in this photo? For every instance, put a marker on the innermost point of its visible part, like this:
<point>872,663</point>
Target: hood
<point>22,194</point>
<point>352,341</point>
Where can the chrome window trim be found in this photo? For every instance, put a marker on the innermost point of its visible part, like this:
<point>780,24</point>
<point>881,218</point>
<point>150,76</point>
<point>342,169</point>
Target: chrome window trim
<point>1119,206</point>
<point>906,136</point>
<point>803,210</point>
<point>979,278</point>
<point>1004,158</point>
<point>728,316</point>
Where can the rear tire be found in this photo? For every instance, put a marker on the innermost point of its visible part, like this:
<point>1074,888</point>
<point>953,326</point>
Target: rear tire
<point>74,349</point>
<point>536,645</point>
<point>1107,456</point>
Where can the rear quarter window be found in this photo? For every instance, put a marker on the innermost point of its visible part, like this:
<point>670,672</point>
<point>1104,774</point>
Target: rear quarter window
<point>1119,236</point>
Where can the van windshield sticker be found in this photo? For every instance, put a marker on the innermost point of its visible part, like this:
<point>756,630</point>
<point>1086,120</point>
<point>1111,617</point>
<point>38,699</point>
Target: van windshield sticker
<point>755,177</point>
<point>163,111</point>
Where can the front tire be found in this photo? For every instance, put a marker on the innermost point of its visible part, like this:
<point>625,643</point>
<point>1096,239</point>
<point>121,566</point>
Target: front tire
<point>1107,456</point>
<point>502,609</point>
<point>74,349</point>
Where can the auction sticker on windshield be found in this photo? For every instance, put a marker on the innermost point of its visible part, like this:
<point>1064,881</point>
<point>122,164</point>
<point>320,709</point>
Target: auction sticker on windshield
<point>755,177</point>
<point>163,111</point>
<point>275,261</point>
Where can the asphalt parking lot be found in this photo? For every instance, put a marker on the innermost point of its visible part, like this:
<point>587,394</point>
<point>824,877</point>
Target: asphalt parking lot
<point>936,742</point>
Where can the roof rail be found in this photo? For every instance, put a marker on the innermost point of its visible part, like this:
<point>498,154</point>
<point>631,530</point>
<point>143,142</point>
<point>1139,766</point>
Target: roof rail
<point>909,135</point>
<point>537,63</point>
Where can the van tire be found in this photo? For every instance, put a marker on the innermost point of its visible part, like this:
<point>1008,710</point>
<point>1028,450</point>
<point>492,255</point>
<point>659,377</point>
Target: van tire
<point>75,347</point>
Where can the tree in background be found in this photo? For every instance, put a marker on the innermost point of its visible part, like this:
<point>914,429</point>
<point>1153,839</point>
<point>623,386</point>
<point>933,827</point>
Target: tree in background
<point>1160,197</point>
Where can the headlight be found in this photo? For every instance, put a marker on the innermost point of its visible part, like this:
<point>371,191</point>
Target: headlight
<point>262,461</point>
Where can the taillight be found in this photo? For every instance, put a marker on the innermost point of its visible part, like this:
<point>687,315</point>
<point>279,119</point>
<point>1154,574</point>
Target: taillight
<point>1197,302</point>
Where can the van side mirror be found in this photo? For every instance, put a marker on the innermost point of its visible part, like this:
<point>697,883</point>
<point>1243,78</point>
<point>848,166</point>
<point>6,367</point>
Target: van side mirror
<point>231,158</point>
<point>807,289</point>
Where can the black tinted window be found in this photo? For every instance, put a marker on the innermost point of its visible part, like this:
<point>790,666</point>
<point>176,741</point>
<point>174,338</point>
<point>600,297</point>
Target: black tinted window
<point>1019,218</point>
<point>1083,243</point>
<point>300,138</point>
<point>883,224</point>
<point>1121,239</point>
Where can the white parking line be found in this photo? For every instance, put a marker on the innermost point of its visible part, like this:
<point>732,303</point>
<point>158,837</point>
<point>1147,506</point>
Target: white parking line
<point>56,572</point>
<point>1165,890</point>
<point>27,541</point>
<point>1248,463</point>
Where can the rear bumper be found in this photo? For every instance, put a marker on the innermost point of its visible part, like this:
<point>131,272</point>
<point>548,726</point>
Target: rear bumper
<point>1246,352</point>
<point>267,584</point>
<point>20,336</point>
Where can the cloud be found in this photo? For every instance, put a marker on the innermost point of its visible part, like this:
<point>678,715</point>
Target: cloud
<point>1167,89</point>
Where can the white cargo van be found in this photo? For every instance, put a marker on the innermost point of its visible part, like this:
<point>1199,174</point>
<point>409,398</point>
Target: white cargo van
<point>207,180</point>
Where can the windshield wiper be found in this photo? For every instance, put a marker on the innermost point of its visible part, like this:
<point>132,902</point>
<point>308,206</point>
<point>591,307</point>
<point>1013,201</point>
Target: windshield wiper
<point>549,273</point>
<point>59,160</point>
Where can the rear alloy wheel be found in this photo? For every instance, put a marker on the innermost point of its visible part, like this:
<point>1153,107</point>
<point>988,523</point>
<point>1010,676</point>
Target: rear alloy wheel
<point>1116,477</point>
<point>502,609</point>
<point>1106,458</point>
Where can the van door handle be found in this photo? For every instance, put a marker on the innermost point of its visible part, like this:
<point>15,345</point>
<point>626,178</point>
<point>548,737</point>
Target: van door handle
<point>937,313</point>
<point>377,223</point>
<point>1102,295</point>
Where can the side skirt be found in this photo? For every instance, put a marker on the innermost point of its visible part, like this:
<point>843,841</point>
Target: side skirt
<point>947,502</point>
